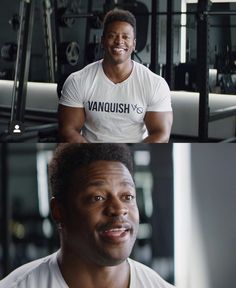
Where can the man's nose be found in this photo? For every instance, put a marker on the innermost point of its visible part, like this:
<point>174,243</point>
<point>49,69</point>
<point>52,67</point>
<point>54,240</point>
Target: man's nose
<point>119,39</point>
<point>116,207</point>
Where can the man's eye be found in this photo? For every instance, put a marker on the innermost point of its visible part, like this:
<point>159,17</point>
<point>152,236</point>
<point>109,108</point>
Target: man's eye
<point>98,198</point>
<point>129,197</point>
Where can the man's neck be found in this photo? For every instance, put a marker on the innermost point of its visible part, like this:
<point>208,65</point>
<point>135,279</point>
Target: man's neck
<point>80,274</point>
<point>117,73</point>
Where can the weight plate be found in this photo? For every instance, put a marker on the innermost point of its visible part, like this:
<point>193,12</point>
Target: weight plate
<point>72,53</point>
<point>9,51</point>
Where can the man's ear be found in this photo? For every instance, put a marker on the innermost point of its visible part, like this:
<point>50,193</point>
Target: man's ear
<point>134,44</point>
<point>56,211</point>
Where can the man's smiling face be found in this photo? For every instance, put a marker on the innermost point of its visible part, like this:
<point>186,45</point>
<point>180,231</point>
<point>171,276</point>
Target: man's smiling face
<point>101,217</point>
<point>118,42</point>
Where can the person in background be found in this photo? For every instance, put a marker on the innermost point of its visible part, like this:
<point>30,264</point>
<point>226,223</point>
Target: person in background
<point>115,99</point>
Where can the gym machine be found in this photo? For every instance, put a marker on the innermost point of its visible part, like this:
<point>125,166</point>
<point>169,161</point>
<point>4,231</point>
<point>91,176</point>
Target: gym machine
<point>203,54</point>
<point>16,128</point>
<point>202,69</point>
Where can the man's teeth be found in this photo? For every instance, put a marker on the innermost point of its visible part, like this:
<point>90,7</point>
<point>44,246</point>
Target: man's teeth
<point>116,230</point>
<point>119,49</point>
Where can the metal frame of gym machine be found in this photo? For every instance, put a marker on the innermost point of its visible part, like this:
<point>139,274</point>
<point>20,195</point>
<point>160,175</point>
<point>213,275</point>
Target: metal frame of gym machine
<point>203,27</point>
<point>18,109</point>
<point>205,115</point>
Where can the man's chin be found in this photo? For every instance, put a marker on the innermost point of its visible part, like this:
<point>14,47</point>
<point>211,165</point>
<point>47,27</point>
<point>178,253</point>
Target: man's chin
<point>116,60</point>
<point>113,261</point>
<point>114,257</point>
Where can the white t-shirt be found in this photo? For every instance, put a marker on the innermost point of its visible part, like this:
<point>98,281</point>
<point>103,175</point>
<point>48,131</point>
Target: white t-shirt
<point>115,112</point>
<point>45,273</point>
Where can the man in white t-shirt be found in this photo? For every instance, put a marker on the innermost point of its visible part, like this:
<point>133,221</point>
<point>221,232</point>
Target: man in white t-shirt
<point>115,99</point>
<point>95,210</point>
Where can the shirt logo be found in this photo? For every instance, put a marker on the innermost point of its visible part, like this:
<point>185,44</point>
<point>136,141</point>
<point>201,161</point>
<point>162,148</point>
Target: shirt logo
<point>114,107</point>
<point>135,107</point>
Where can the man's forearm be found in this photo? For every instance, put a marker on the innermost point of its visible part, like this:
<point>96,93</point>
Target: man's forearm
<point>159,126</point>
<point>157,138</point>
<point>71,136</point>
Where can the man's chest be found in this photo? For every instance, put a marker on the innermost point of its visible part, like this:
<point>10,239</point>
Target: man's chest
<point>107,101</point>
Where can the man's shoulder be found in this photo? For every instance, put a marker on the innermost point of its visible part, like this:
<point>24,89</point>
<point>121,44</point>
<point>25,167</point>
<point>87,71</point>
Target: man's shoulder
<point>143,276</point>
<point>87,70</point>
<point>31,269</point>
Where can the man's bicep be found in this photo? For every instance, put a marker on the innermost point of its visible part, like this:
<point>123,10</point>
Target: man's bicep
<point>158,121</point>
<point>71,117</point>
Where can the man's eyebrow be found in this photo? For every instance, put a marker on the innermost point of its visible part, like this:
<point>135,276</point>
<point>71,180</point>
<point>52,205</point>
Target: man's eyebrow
<point>114,32</point>
<point>95,183</point>
<point>99,183</point>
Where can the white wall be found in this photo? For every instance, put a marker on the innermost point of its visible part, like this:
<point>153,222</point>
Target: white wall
<point>210,241</point>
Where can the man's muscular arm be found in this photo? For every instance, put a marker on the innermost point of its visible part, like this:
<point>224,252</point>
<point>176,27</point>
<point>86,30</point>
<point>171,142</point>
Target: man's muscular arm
<point>71,121</point>
<point>159,126</point>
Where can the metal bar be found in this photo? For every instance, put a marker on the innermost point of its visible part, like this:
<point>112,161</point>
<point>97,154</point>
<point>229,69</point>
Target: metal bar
<point>222,25</point>
<point>211,26</point>
<point>170,45</point>
<point>58,65</point>
<point>45,112</point>
<point>232,12</point>
<point>203,68</point>
<point>23,60</point>
<point>6,138</point>
<point>5,211</point>
<point>41,127</point>
<point>87,35</point>
<point>32,116</point>
<point>85,15</point>
<point>222,113</point>
<point>153,66</point>
<point>47,9</point>
<point>220,13</point>
<point>229,140</point>
<point>189,139</point>
<point>18,59</point>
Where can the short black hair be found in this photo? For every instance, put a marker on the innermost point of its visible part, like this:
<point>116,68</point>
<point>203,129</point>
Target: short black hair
<point>70,157</point>
<point>119,15</point>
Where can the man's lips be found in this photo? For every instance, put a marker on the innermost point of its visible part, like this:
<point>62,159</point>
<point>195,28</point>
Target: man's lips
<point>115,232</point>
<point>119,50</point>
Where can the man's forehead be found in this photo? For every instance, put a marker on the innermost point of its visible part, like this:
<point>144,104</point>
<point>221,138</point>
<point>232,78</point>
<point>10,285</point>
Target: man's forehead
<point>101,172</point>
<point>103,167</point>
<point>125,24</point>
